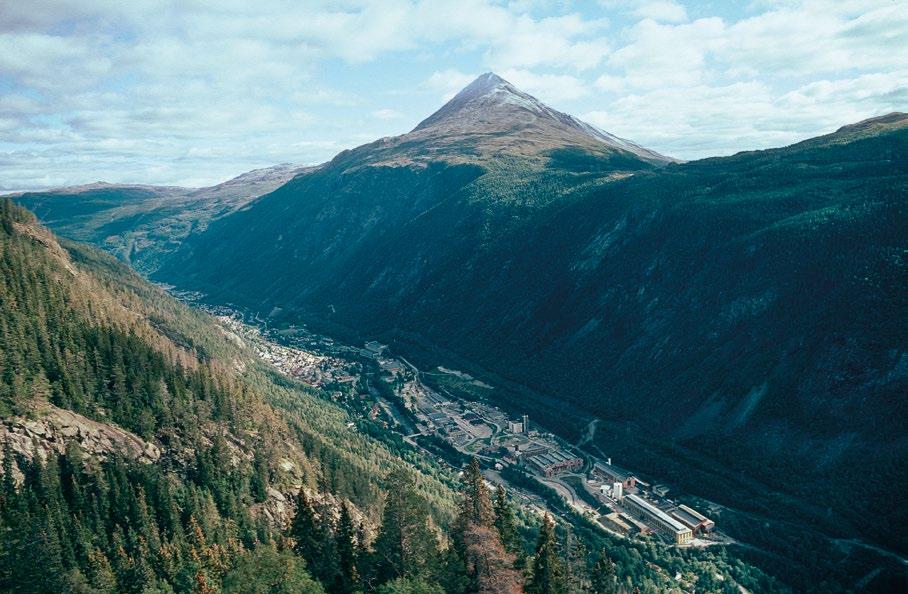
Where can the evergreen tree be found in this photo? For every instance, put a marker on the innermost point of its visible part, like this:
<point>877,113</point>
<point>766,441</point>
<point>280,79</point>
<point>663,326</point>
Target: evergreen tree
<point>304,530</point>
<point>410,586</point>
<point>100,574</point>
<point>476,505</point>
<point>346,550</point>
<point>504,521</point>
<point>547,573</point>
<point>489,568</point>
<point>7,484</point>
<point>576,570</point>
<point>259,482</point>
<point>268,571</point>
<point>603,579</point>
<point>405,546</point>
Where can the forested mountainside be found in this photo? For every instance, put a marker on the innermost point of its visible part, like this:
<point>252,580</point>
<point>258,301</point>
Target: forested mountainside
<point>142,224</point>
<point>144,449</point>
<point>95,362</point>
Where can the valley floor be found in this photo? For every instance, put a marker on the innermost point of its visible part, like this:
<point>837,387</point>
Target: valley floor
<point>450,407</point>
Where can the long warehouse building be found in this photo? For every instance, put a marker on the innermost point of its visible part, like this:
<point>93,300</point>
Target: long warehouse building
<point>693,519</point>
<point>554,462</point>
<point>664,523</point>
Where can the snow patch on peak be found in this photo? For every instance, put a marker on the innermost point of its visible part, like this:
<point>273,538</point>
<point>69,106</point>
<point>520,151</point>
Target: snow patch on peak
<point>487,91</point>
<point>482,85</point>
<point>492,105</point>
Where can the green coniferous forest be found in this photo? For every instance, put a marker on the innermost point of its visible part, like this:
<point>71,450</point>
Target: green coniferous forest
<point>236,479</point>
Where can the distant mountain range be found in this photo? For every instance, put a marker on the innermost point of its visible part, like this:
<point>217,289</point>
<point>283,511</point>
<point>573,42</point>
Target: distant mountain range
<point>141,223</point>
<point>738,323</point>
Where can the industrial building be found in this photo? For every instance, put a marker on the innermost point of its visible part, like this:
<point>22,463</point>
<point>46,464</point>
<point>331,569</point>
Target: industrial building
<point>661,521</point>
<point>616,490</point>
<point>610,474</point>
<point>532,449</point>
<point>553,462</point>
<point>693,519</point>
<point>515,426</point>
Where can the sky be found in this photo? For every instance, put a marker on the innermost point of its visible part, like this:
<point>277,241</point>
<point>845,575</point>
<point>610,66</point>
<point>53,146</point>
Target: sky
<point>187,92</point>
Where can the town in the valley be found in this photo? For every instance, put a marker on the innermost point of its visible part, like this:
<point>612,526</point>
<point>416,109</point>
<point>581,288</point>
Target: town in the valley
<point>612,496</point>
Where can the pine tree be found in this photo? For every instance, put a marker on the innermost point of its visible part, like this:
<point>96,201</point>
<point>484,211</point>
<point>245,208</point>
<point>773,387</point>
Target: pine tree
<point>259,481</point>
<point>576,578</point>
<point>346,550</point>
<point>6,215</point>
<point>476,506</point>
<point>504,521</point>
<point>548,573</point>
<point>7,483</point>
<point>603,578</point>
<point>100,574</point>
<point>364,557</point>
<point>304,530</point>
<point>405,545</point>
<point>489,568</point>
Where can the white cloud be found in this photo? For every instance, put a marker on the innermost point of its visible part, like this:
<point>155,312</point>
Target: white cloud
<point>550,88</point>
<point>662,10</point>
<point>667,11</point>
<point>720,120</point>
<point>668,55</point>
<point>610,84</point>
<point>568,42</point>
<point>387,114</point>
<point>448,82</point>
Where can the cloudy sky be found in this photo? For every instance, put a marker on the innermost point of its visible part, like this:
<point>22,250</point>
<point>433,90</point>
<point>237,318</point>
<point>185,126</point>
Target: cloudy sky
<point>190,92</point>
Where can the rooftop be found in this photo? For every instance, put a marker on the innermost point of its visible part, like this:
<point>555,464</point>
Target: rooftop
<point>613,470</point>
<point>658,513</point>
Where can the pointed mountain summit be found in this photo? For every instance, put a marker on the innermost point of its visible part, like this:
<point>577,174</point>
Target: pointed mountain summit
<point>490,118</point>
<point>480,101</point>
<point>490,106</point>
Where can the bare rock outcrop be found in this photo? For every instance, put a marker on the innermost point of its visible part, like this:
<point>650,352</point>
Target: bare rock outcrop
<point>51,429</point>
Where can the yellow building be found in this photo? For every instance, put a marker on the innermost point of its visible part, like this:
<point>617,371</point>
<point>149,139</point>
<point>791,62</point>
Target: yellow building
<point>658,519</point>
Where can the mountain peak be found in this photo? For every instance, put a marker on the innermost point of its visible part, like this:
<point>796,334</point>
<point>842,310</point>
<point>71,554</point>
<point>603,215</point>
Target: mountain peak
<point>489,85</point>
<point>487,93</point>
<point>493,113</point>
<point>483,84</point>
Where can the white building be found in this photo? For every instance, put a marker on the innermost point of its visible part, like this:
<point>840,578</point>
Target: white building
<point>515,426</point>
<point>617,491</point>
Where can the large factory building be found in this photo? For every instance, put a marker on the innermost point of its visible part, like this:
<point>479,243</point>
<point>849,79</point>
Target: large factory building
<point>693,519</point>
<point>610,474</point>
<point>661,521</point>
<point>553,462</point>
